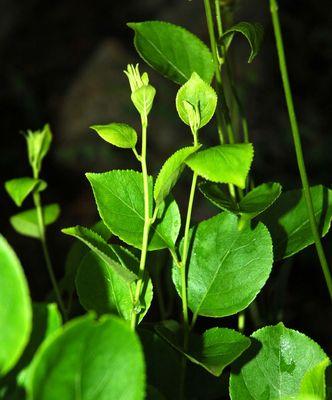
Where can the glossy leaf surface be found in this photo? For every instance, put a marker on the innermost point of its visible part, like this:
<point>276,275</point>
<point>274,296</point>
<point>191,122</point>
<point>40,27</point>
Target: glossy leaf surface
<point>118,134</point>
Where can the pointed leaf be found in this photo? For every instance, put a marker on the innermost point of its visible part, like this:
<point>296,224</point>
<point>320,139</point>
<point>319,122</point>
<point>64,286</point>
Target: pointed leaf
<point>120,201</point>
<point>200,96</point>
<point>102,290</point>
<point>38,144</point>
<point>172,51</point>
<point>20,188</point>
<point>253,32</point>
<point>89,359</point>
<point>103,250</point>
<point>227,266</point>
<point>288,221</point>
<point>275,365</point>
<point>15,308</point>
<point>228,163</point>
<point>213,350</point>
<point>143,99</point>
<point>120,135</point>
<point>170,173</point>
<point>26,222</point>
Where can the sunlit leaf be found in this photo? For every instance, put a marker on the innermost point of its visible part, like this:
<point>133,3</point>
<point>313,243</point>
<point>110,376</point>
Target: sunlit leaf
<point>20,188</point>
<point>120,135</point>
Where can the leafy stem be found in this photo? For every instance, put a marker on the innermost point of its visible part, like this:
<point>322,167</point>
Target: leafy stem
<point>42,233</point>
<point>298,144</point>
<point>147,225</point>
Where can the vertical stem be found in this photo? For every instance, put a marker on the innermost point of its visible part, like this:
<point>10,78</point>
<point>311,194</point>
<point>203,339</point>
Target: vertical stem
<point>298,144</point>
<point>221,95</point>
<point>146,229</point>
<point>42,233</point>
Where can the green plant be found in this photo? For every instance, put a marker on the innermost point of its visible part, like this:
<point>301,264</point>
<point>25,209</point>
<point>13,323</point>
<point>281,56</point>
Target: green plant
<point>218,265</point>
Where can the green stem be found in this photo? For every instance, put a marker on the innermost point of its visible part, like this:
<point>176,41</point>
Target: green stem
<point>298,144</point>
<point>42,233</point>
<point>225,111</point>
<point>146,229</point>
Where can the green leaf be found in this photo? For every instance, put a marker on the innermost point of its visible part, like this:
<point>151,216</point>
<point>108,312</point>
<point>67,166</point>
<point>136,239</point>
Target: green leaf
<point>38,144</point>
<point>252,204</point>
<point>275,365</point>
<point>253,32</point>
<point>227,163</point>
<point>227,266</point>
<point>102,290</point>
<point>120,202</point>
<point>103,250</point>
<point>288,221</point>
<point>45,321</point>
<point>213,350</point>
<point>20,188</point>
<point>313,382</point>
<point>172,51</point>
<point>26,222</point>
<point>120,135</point>
<point>196,96</point>
<point>171,172</point>
<point>143,99</point>
<point>88,359</point>
<point>15,308</point>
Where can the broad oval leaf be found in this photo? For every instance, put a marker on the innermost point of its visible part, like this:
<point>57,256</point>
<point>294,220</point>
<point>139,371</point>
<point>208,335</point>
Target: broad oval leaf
<point>89,359</point>
<point>118,134</point>
<point>172,51</point>
<point>253,32</point>
<point>171,172</point>
<point>20,188</point>
<point>103,250</point>
<point>26,222</point>
<point>102,290</point>
<point>143,99</point>
<point>227,163</point>
<point>120,202</point>
<point>15,308</point>
<point>275,365</point>
<point>252,204</point>
<point>199,97</point>
<point>288,222</point>
<point>213,350</point>
<point>227,266</point>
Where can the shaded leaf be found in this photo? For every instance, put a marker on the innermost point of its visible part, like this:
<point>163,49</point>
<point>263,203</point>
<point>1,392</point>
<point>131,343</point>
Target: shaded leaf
<point>228,163</point>
<point>26,222</point>
<point>253,32</point>
<point>213,350</point>
<point>227,266</point>
<point>15,308</point>
<point>288,222</point>
<point>88,359</point>
<point>120,135</point>
<point>120,202</point>
<point>275,364</point>
<point>172,51</point>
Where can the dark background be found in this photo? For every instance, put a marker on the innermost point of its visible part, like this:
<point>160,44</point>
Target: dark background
<point>61,62</point>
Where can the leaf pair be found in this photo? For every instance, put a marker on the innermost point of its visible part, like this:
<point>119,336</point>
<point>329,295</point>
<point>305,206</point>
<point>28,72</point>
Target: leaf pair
<point>20,188</point>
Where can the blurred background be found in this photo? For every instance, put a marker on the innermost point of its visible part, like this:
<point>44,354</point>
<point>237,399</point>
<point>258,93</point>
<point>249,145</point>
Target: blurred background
<point>61,62</point>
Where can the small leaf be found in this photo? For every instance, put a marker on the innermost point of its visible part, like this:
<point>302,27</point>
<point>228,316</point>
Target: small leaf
<point>198,95</point>
<point>172,51</point>
<point>120,202</point>
<point>20,188</point>
<point>252,32</point>
<point>26,222</point>
<point>143,99</point>
<point>15,308</point>
<point>102,290</point>
<point>227,266</point>
<point>227,163</point>
<point>288,221</point>
<point>171,172</point>
<point>89,359</point>
<point>313,382</point>
<point>213,350</point>
<point>102,249</point>
<point>275,365</point>
<point>120,135</point>
<point>38,144</point>
<point>252,204</point>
